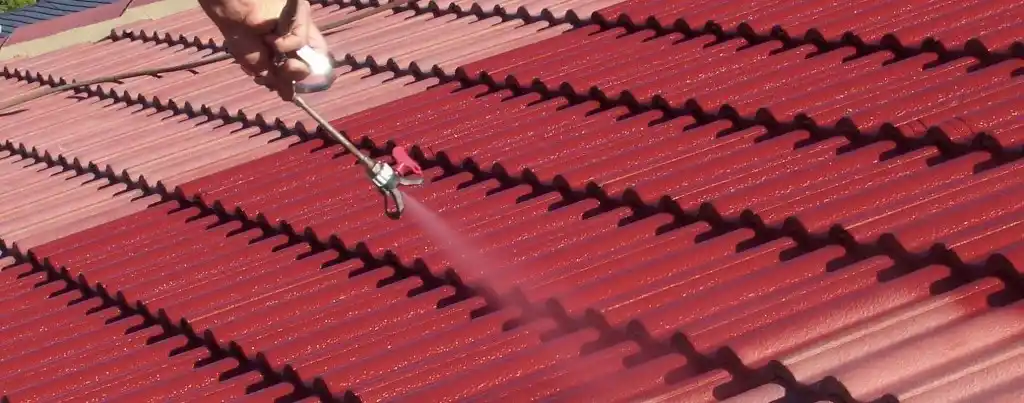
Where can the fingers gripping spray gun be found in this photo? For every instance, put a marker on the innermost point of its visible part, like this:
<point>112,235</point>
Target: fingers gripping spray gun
<point>386,178</point>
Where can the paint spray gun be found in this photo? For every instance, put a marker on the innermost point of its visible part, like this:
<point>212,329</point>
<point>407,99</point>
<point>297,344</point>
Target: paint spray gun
<point>386,178</point>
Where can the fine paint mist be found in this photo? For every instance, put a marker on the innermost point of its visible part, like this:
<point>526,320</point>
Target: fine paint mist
<point>462,253</point>
<point>468,259</point>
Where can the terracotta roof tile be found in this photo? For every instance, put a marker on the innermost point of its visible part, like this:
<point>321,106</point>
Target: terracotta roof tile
<point>679,202</point>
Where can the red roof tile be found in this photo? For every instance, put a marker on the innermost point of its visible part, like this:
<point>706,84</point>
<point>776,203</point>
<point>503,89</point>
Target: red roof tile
<point>906,25</point>
<point>784,202</point>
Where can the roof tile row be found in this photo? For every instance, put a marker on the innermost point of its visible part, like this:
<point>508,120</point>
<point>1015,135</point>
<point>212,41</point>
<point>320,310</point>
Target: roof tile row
<point>61,343</point>
<point>192,27</point>
<point>215,145</point>
<point>44,10</point>
<point>72,201</point>
<point>455,119</point>
<point>786,325</point>
<point>779,86</point>
<point>295,157</point>
<point>363,87</point>
<point>976,27</point>
<point>134,141</point>
<point>747,244</point>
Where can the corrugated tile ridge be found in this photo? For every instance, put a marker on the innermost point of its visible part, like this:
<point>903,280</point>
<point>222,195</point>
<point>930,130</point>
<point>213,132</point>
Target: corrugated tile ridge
<point>437,9</point>
<point>974,146</point>
<point>523,85</point>
<point>626,98</point>
<point>139,180</point>
<point>270,134</point>
<point>182,326</point>
<point>688,107</point>
<point>157,317</point>
<point>483,170</point>
<point>992,266</point>
<point>522,14</point>
<point>936,135</point>
<point>974,47</point>
<point>844,126</point>
<point>169,326</point>
<point>304,386</point>
<point>742,29</point>
<point>520,84</point>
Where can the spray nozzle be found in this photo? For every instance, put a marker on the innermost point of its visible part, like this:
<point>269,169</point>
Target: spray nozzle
<point>387,180</point>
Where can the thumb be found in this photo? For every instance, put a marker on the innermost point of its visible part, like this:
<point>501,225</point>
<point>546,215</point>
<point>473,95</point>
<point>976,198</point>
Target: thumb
<point>289,42</point>
<point>297,33</point>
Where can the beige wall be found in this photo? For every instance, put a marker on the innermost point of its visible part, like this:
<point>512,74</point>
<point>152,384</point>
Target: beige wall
<point>94,32</point>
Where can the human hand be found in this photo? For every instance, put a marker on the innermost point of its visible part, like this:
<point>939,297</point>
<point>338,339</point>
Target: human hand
<point>250,29</point>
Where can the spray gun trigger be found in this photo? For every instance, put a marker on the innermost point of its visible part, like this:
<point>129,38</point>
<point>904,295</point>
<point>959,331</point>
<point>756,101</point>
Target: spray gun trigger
<point>410,181</point>
<point>395,195</point>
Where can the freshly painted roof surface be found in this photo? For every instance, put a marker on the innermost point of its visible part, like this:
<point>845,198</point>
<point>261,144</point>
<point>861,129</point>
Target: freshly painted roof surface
<point>680,202</point>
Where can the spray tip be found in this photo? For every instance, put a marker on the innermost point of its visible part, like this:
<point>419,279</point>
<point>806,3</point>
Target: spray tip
<point>387,180</point>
